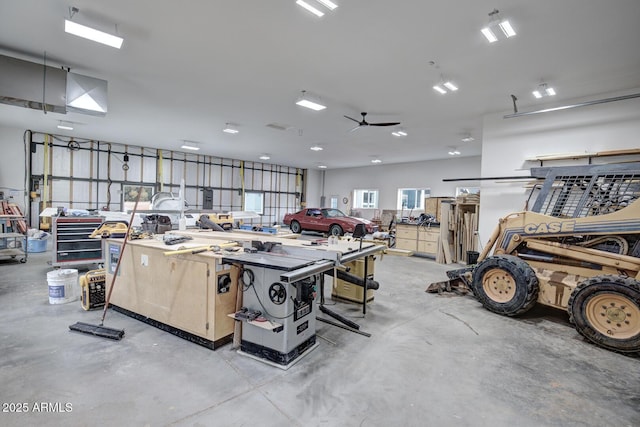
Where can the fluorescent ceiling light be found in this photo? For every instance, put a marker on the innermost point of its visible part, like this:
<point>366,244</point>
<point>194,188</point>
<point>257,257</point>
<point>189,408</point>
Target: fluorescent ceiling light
<point>489,34</point>
<point>507,29</point>
<point>230,129</point>
<point>494,23</point>
<point>186,146</point>
<point>440,89</point>
<point>328,4</point>
<point>310,8</point>
<point>65,126</point>
<point>316,148</point>
<point>468,139</point>
<point>92,34</point>
<point>265,157</point>
<point>322,166</point>
<point>399,133</point>
<point>454,152</point>
<point>376,161</point>
<point>306,102</point>
<point>543,90</point>
<point>450,86</point>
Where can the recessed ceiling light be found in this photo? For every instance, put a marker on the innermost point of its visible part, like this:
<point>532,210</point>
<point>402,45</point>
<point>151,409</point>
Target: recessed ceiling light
<point>265,156</point>
<point>316,148</point>
<point>310,8</point>
<point>189,146</point>
<point>468,139</point>
<point>322,166</point>
<point>399,133</point>
<point>454,152</point>
<point>376,161</point>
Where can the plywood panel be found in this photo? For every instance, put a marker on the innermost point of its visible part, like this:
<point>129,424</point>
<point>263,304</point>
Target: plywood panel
<point>172,291</point>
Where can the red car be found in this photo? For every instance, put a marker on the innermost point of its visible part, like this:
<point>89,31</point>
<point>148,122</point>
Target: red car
<point>325,220</point>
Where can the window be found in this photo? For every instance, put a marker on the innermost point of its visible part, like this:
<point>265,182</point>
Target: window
<point>412,198</point>
<point>334,202</point>
<point>365,199</point>
<point>254,202</point>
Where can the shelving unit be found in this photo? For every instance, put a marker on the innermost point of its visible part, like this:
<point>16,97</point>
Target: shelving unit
<point>71,242</point>
<point>13,229</point>
<point>12,245</point>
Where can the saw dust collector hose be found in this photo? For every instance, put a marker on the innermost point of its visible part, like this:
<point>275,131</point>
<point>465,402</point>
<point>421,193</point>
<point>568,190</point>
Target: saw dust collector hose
<point>356,280</point>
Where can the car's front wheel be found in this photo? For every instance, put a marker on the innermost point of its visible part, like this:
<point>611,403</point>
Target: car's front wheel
<point>295,227</point>
<point>336,230</point>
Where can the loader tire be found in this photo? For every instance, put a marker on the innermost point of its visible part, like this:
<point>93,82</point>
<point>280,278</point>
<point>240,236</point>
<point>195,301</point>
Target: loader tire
<point>505,284</point>
<point>606,311</point>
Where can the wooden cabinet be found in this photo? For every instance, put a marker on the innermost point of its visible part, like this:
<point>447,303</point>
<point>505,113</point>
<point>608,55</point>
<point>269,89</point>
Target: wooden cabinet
<point>419,239</point>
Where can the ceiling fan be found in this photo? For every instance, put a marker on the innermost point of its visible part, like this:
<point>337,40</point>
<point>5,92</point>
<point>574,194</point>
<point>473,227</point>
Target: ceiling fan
<point>364,122</point>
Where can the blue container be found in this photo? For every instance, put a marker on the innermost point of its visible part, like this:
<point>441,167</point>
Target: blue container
<point>35,245</point>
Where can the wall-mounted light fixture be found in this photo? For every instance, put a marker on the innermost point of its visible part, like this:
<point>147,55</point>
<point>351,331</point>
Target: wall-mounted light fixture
<point>310,101</point>
<point>497,26</point>
<point>90,33</point>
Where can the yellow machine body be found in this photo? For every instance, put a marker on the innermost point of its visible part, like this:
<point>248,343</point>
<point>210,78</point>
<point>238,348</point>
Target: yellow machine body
<point>92,289</point>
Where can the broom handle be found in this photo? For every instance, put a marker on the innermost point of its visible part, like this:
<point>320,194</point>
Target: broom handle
<point>124,245</point>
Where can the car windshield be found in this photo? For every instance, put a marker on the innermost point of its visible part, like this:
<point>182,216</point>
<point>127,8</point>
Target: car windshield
<point>332,213</point>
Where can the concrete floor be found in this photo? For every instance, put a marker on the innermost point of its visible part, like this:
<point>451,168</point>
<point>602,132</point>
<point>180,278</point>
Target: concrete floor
<point>431,360</point>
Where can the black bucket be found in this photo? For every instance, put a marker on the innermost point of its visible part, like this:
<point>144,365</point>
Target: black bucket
<point>472,257</point>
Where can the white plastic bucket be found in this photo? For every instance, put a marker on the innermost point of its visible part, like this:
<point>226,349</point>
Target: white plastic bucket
<point>62,285</point>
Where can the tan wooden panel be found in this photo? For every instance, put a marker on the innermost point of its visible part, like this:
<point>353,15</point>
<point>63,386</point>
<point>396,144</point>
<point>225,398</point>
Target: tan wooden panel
<point>406,244</point>
<point>406,231</point>
<point>428,247</point>
<point>429,234</point>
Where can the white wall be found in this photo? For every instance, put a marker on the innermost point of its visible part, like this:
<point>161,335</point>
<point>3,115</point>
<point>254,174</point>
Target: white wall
<point>387,179</point>
<point>12,165</point>
<point>507,143</point>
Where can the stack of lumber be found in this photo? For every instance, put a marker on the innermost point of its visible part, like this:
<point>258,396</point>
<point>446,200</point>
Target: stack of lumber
<point>11,209</point>
<point>458,226</point>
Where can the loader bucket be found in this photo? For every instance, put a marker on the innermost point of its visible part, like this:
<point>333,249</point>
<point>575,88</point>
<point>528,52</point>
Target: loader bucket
<point>459,282</point>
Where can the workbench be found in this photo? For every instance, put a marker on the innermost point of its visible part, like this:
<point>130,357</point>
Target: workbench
<point>189,295</point>
<point>192,294</point>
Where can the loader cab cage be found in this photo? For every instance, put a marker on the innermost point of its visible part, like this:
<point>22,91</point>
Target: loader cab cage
<point>582,191</point>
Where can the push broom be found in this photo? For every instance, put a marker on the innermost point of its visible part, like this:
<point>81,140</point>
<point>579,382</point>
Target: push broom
<point>101,330</point>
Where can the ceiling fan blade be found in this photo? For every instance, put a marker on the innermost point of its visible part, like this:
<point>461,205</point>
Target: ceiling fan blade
<point>357,121</point>
<point>384,124</point>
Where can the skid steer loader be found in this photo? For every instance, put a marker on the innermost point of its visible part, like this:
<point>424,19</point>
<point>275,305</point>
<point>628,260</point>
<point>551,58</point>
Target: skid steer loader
<point>578,249</point>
